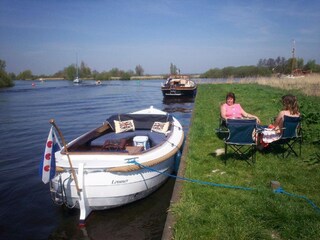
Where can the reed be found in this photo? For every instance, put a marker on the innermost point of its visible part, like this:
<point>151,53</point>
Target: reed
<point>309,85</point>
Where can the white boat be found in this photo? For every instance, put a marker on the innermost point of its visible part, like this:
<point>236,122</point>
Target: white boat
<point>77,80</point>
<point>179,86</point>
<point>106,168</point>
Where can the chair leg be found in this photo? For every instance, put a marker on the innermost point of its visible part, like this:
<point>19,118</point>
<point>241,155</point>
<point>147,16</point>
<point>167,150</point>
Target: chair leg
<point>253,149</point>
<point>290,149</point>
<point>300,143</point>
<point>242,151</point>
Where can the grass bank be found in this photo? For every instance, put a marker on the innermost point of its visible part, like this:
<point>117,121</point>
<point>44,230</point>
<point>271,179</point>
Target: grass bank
<point>206,212</point>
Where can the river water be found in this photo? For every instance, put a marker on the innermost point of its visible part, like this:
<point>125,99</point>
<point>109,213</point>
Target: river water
<point>26,209</point>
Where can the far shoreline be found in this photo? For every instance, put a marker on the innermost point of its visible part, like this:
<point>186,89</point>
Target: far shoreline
<point>146,77</point>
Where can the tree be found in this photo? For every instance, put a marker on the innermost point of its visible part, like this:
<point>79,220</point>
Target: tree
<point>310,65</point>
<point>12,76</point>
<point>27,74</point>
<point>94,74</point>
<point>85,71</point>
<point>292,64</point>
<point>139,70</point>
<point>60,74</point>
<point>281,64</point>
<point>102,76</point>
<point>300,63</point>
<point>173,69</point>
<point>228,72</point>
<point>5,79</point>
<point>70,72</point>
<point>115,72</point>
<point>2,65</point>
<point>277,65</point>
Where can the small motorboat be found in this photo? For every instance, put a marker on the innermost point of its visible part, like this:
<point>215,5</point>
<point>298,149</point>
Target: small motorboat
<point>179,86</point>
<point>125,159</point>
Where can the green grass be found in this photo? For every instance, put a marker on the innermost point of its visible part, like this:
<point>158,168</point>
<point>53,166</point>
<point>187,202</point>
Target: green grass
<point>208,212</point>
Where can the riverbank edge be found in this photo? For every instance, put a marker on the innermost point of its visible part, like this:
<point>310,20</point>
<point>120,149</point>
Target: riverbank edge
<point>177,190</point>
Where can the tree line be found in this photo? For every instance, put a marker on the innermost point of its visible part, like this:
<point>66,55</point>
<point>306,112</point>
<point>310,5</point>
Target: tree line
<point>84,72</point>
<point>264,67</point>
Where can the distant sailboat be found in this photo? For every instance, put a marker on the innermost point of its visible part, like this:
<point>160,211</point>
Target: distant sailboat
<point>295,72</point>
<point>77,79</point>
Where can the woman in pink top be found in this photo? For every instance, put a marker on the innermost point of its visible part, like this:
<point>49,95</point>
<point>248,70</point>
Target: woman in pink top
<point>230,109</point>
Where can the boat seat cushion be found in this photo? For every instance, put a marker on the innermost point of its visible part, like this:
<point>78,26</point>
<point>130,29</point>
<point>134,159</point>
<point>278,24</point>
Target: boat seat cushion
<point>124,126</point>
<point>141,121</point>
<point>160,127</point>
<point>119,144</point>
<point>154,137</point>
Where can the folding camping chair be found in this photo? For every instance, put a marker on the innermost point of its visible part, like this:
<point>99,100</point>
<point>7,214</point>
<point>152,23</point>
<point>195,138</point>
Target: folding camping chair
<point>222,130</point>
<point>291,135</point>
<point>242,138</point>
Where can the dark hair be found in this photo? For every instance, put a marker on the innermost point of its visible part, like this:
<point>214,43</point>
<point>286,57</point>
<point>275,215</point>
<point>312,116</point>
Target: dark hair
<point>231,95</point>
<point>290,103</point>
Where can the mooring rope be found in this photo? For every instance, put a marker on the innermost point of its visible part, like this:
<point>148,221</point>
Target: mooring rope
<point>278,190</point>
<point>191,180</point>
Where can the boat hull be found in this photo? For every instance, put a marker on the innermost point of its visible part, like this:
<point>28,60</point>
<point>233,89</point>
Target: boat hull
<point>105,190</point>
<point>179,92</point>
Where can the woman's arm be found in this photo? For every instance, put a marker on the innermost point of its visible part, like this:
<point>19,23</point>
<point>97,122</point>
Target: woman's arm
<point>223,111</point>
<point>278,123</point>
<point>248,115</point>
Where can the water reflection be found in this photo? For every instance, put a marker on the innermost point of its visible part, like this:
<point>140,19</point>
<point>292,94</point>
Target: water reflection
<point>179,104</point>
<point>172,100</point>
<point>143,219</point>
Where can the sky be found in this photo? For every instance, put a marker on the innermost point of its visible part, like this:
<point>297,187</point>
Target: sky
<point>46,36</point>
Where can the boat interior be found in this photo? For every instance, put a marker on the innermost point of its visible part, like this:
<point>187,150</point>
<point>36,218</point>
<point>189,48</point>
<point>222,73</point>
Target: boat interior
<point>105,139</point>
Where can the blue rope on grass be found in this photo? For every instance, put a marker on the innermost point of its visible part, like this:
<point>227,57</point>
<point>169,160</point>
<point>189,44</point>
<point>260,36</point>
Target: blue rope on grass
<point>193,180</point>
<point>278,190</point>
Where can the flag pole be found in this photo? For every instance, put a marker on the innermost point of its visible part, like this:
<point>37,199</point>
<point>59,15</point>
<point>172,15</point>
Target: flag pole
<point>67,153</point>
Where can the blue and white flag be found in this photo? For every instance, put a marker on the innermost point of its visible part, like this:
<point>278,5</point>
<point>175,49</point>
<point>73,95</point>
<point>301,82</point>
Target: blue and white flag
<point>48,164</point>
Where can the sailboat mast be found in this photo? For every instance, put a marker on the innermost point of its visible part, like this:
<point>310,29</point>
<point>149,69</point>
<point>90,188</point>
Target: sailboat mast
<point>77,66</point>
<point>293,56</point>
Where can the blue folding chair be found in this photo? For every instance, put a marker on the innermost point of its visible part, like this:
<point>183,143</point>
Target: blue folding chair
<point>222,130</point>
<point>291,136</point>
<point>242,138</point>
